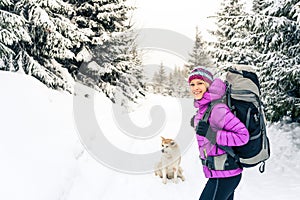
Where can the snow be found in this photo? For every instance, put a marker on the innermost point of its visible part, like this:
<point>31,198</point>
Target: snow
<point>42,156</point>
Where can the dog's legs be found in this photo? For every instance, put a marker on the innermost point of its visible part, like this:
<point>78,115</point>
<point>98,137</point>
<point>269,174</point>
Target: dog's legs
<point>180,174</point>
<point>182,178</point>
<point>175,169</point>
<point>164,175</point>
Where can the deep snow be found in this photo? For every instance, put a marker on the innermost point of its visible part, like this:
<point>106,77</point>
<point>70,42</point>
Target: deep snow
<point>42,157</point>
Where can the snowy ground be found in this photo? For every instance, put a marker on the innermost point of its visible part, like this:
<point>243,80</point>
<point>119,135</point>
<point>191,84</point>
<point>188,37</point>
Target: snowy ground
<point>42,157</point>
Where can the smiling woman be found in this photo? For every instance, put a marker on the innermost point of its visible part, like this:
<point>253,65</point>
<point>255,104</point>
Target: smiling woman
<point>200,80</point>
<point>198,88</point>
<point>219,128</point>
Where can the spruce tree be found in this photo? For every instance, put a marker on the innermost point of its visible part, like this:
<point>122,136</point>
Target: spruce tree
<point>259,5</point>
<point>199,56</point>
<point>160,80</point>
<point>174,82</point>
<point>12,33</point>
<point>177,84</point>
<point>268,38</point>
<point>114,64</point>
<point>56,40</point>
<point>128,65</point>
<point>171,84</point>
<point>232,35</point>
<point>52,36</point>
<point>275,31</point>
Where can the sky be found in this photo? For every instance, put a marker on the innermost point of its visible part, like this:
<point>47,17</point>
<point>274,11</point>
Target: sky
<point>179,16</point>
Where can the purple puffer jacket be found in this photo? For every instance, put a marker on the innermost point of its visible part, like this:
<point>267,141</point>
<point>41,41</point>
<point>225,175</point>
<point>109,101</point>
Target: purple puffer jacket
<point>230,130</point>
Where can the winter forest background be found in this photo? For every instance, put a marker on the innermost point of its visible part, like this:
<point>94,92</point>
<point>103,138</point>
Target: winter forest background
<point>60,42</point>
<point>69,64</point>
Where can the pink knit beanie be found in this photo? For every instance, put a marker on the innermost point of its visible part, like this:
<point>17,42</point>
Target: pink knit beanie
<point>200,73</point>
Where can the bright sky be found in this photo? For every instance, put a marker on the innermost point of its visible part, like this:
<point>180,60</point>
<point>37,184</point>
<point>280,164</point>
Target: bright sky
<point>180,16</point>
<point>177,15</point>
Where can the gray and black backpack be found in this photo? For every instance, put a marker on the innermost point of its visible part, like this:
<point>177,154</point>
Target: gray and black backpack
<point>243,98</point>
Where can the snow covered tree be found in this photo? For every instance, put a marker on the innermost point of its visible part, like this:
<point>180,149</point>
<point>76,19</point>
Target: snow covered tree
<point>259,5</point>
<point>269,39</point>
<point>161,75</point>
<point>275,36</point>
<point>171,84</point>
<point>232,35</point>
<point>12,33</point>
<point>50,37</point>
<point>160,81</point>
<point>126,70</point>
<point>53,40</point>
<point>177,84</point>
<point>199,56</point>
<point>113,64</point>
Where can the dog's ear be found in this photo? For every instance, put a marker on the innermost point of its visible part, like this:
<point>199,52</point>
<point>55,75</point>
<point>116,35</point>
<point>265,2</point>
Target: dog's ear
<point>173,143</point>
<point>162,138</point>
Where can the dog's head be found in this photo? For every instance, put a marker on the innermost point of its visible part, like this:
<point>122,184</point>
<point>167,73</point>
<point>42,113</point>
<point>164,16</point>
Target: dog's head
<point>167,145</point>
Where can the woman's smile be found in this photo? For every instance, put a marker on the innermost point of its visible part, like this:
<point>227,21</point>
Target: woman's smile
<point>198,88</point>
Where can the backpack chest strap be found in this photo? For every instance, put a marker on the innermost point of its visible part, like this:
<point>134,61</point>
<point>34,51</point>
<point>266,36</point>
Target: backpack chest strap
<point>221,162</point>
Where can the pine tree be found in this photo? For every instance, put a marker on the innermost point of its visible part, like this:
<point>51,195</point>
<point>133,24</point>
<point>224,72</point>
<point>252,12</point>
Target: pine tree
<point>199,55</point>
<point>160,81</point>
<point>178,84</point>
<point>275,31</point>
<point>232,35</point>
<point>113,65</point>
<point>49,47</point>
<point>55,40</point>
<point>259,5</point>
<point>130,85</point>
<point>12,33</point>
<point>171,84</point>
<point>269,39</point>
<point>161,78</point>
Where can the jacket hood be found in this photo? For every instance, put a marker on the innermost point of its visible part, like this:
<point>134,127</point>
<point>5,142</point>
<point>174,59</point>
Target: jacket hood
<point>215,91</point>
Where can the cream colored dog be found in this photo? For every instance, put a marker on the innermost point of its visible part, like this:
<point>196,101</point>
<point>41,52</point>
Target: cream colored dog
<point>169,165</point>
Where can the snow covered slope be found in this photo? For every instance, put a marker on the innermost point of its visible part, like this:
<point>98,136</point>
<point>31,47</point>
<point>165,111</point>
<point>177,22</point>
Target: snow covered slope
<point>42,157</point>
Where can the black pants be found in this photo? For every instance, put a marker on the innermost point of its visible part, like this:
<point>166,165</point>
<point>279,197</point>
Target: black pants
<point>220,188</point>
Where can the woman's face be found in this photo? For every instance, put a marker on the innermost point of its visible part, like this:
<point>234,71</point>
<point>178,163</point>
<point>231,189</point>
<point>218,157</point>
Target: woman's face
<point>198,88</point>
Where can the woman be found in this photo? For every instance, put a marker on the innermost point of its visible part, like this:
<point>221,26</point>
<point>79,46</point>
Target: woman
<point>225,130</point>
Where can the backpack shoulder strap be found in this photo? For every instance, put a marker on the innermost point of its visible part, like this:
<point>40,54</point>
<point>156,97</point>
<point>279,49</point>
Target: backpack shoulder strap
<point>209,109</point>
<point>207,113</point>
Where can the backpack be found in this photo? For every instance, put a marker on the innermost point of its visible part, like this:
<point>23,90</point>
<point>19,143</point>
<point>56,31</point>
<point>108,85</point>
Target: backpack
<point>243,98</point>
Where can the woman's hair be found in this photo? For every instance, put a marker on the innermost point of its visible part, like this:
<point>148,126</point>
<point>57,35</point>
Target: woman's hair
<point>206,84</point>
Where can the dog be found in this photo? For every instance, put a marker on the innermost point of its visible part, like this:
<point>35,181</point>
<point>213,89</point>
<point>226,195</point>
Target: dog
<point>169,165</point>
